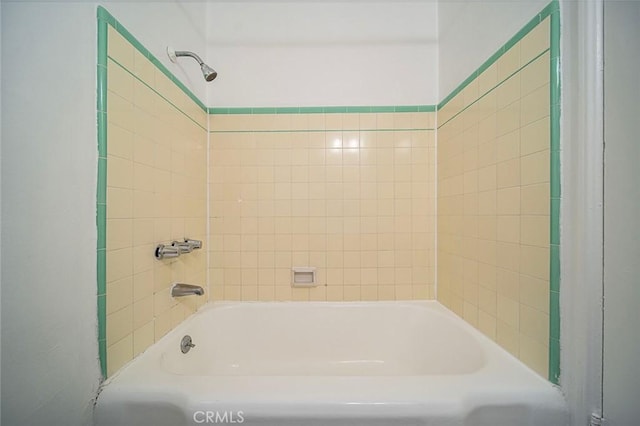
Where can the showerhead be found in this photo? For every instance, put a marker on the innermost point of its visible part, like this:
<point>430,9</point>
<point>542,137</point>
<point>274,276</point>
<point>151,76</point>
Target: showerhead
<point>209,73</point>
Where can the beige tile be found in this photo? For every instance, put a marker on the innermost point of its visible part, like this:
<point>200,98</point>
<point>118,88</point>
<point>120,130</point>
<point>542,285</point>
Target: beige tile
<point>508,173</point>
<point>535,199</point>
<point>534,354</point>
<point>120,142</point>
<point>535,74</point>
<point>508,337</point>
<point>488,79</point>
<point>535,105</point>
<point>535,230</point>
<point>508,311</point>
<point>143,311</point>
<point>487,324</point>
<point>119,233</point>
<point>535,42</point>
<point>508,201</point>
<point>534,137</point>
<point>534,292</point>
<point>508,92</point>
<point>162,324</point>
<point>120,264</point>
<point>120,81</point>
<point>119,294</point>
<point>119,324</point>
<point>534,323</point>
<point>507,284</point>
<point>507,256</point>
<point>143,338</point>
<point>510,117</point>
<point>508,146</point>
<point>534,261</point>
<point>487,300</point>
<point>508,228</point>
<point>143,285</point>
<point>120,112</point>
<point>535,168</point>
<point>120,49</point>
<point>509,62</point>
<point>144,69</point>
<point>487,203</point>
<point>119,353</point>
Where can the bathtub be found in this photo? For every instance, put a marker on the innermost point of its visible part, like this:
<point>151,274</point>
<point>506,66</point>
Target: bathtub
<point>361,363</point>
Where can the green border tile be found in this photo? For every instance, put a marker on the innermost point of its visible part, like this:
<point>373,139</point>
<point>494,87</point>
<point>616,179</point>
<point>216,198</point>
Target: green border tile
<point>555,221</point>
<point>553,10</point>
<point>102,132</point>
<point>103,20</point>
<point>554,367</point>
<point>321,109</point>
<point>102,351</point>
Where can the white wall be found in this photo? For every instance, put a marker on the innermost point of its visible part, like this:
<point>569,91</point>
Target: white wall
<point>49,327</point>
<point>49,363</point>
<point>322,53</point>
<point>622,210</point>
<point>470,31</point>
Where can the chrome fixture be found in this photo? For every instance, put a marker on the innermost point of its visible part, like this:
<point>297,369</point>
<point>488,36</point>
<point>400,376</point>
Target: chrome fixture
<point>177,248</point>
<point>186,344</point>
<point>182,246</point>
<point>166,252</point>
<point>195,244</point>
<point>187,246</point>
<point>180,289</point>
<point>209,73</point>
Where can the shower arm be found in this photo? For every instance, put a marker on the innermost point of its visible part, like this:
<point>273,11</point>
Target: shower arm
<point>179,53</point>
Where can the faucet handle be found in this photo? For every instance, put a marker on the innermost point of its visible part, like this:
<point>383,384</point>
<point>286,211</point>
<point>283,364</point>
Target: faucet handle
<point>163,251</point>
<point>195,244</point>
<point>182,246</point>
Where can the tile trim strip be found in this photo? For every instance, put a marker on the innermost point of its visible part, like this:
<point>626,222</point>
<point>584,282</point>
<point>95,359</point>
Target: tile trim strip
<point>555,202</point>
<point>547,11</point>
<point>101,199</point>
<point>321,109</point>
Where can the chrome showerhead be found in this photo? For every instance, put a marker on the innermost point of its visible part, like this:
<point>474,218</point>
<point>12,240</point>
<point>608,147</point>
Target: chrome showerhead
<point>209,73</point>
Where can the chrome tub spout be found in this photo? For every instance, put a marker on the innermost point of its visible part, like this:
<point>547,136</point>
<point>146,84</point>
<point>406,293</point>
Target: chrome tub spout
<point>180,289</point>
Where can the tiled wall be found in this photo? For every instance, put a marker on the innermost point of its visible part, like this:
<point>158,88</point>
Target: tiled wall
<point>351,194</point>
<point>156,193</point>
<point>493,200</point>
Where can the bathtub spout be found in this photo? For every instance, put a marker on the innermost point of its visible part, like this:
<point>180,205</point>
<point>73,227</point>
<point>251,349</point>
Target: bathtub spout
<point>179,290</point>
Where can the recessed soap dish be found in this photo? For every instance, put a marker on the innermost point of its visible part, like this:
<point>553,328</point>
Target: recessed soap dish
<point>303,276</point>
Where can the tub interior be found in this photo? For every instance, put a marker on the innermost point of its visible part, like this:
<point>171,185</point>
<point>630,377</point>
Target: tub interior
<point>290,339</point>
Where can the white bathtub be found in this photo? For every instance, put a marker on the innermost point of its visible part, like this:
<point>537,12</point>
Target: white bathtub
<point>363,363</point>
